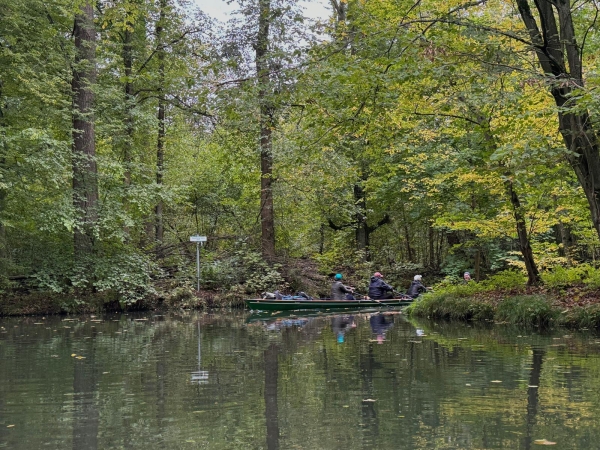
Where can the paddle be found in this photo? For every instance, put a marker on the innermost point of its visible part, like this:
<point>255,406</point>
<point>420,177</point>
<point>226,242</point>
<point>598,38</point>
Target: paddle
<point>376,301</point>
<point>403,296</point>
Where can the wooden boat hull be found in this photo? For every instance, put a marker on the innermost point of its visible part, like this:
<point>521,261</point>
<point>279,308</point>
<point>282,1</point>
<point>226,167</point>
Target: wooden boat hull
<point>286,305</point>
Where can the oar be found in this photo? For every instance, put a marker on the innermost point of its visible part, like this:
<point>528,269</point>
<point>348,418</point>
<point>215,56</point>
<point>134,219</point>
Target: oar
<point>377,301</point>
<point>403,296</point>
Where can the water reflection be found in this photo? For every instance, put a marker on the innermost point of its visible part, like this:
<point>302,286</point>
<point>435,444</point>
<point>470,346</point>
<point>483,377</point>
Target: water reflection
<point>200,376</point>
<point>340,325</point>
<point>380,324</point>
<point>229,380</point>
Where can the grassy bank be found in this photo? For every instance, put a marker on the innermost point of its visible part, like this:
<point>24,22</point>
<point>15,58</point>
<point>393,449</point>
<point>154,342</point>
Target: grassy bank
<point>568,297</point>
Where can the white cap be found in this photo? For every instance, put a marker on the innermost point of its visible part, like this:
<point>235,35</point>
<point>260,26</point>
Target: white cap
<point>418,277</point>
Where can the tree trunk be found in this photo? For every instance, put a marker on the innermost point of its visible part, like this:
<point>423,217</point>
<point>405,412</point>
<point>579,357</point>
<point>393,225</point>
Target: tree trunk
<point>362,229</point>
<point>85,183</point>
<point>129,106</point>
<point>130,102</point>
<point>267,110</point>
<point>533,276</point>
<point>160,143</point>
<point>3,191</point>
<point>552,41</point>
<point>431,241</point>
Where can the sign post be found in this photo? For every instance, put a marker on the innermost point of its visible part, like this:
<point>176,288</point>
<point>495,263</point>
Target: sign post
<point>199,240</point>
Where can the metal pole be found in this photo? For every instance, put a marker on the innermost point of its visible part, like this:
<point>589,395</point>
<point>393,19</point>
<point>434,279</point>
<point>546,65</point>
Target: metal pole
<point>198,264</point>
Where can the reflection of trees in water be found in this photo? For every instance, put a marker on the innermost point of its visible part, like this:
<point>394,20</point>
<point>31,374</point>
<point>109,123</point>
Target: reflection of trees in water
<point>85,409</point>
<point>283,382</point>
<point>532,394</point>
<point>271,411</point>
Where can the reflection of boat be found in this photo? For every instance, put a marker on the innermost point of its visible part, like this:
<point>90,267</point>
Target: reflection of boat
<point>267,316</point>
<point>297,304</point>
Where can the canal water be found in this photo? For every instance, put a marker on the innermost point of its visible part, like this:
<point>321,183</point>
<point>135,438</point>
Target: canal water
<point>235,380</point>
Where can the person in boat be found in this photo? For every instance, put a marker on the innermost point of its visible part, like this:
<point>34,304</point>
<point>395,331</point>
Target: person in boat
<point>416,287</point>
<point>338,290</point>
<point>379,289</point>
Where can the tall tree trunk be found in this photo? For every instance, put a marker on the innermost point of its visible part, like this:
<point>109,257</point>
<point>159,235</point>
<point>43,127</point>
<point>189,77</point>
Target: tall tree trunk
<point>129,106</point>
<point>129,101</point>
<point>553,40</point>
<point>3,191</point>
<point>431,241</point>
<point>267,110</point>
<point>362,229</point>
<point>533,276</point>
<point>160,143</point>
<point>85,183</point>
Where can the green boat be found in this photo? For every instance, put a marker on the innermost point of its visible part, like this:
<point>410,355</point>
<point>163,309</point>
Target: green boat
<point>296,304</point>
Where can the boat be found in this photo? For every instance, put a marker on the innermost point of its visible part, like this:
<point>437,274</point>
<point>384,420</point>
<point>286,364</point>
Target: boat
<point>268,304</point>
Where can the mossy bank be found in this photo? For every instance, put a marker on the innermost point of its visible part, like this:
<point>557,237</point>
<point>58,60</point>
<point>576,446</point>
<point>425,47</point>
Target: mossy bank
<point>569,297</point>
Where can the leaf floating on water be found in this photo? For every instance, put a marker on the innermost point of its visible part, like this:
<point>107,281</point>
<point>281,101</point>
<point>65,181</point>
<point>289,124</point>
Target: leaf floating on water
<point>496,381</point>
<point>544,442</point>
<point>80,357</point>
<point>369,400</point>
<point>346,406</point>
<point>73,354</point>
<point>9,426</point>
<point>104,373</point>
<point>38,323</point>
<point>468,384</point>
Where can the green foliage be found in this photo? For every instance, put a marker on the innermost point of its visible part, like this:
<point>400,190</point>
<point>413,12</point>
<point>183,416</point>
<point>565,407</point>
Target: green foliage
<point>451,307</point>
<point>581,317</point>
<point>503,281</point>
<point>527,310</point>
<point>246,270</point>
<point>560,277</point>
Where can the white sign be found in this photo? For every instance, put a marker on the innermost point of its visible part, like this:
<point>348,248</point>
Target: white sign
<point>197,238</point>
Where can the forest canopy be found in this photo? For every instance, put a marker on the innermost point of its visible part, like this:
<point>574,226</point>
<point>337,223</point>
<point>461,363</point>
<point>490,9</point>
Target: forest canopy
<point>399,136</point>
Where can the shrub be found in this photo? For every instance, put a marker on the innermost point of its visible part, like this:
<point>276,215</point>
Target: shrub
<point>582,316</point>
<point>560,277</point>
<point>448,306</point>
<point>527,310</point>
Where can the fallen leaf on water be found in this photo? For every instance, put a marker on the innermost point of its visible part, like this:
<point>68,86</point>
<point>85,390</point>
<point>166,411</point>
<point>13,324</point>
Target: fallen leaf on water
<point>80,357</point>
<point>369,400</point>
<point>9,426</point>
<point>73,354</point>
<point>496,381</point>
<point>468,384</point>
<point>104,373</point>
<point>346,406</point>
<point>544,442</point>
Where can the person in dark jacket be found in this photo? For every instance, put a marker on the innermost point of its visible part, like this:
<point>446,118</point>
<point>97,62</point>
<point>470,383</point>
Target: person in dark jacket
<point>338,290</point>
<point>379,289</point>
<point>416,287</point>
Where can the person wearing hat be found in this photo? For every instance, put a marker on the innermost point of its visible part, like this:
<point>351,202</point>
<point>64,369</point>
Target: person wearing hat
<point>338,290</point>
<point>379,289</point>
<point>416,287</point>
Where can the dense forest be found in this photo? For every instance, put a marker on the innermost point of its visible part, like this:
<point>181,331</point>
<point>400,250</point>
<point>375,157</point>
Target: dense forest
<point>403,136</point>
